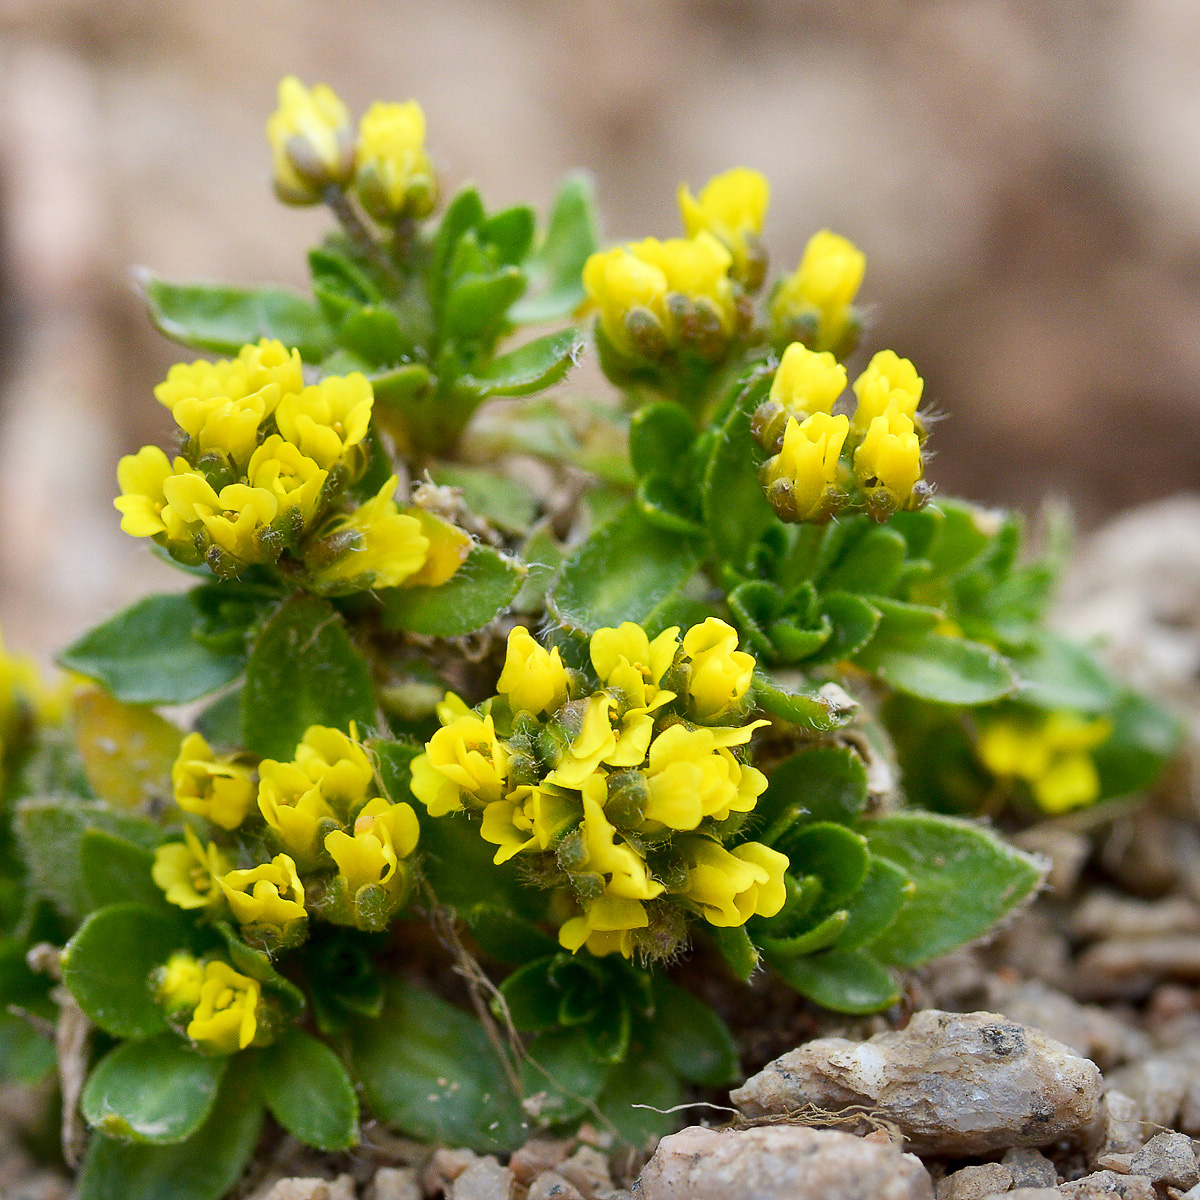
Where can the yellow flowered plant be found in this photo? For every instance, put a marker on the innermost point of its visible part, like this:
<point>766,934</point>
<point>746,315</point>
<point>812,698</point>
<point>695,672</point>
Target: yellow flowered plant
<point>393,174</point>
<point>720,674</point>
<point>807,381</point>
<point>814,304</point>
<point>215,787</point>
<point>373,878</point>
<point>888,462</point>
<point>179,983</point>
<point>889,384</point>
<point>267,901</point>
<point>329,419</point>
<point>732,207</point>
<point>312,141</point>
<point>226,1018</point>
<point>730,887</point>
<point>187,872</point>
<point>534,679</point>
<point>266,368</point>
<point>801,480</point>
<point>1050,752</point>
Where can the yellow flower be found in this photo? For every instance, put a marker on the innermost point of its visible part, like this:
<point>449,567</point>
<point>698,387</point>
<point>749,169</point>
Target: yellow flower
<point>179,982</point>
<point>142,504</point>
<point>1051,753</point>
<point>534,679</point>
<point>816,298</point>
<point>266,368</point>
<point>376,546</point>
<point>383,835</point>
<point>631,667</point>
<point>720,673</point>
<point>731,207</point>
<point>605,928</point>
<point>653,295</point>
<point>807,382</point>
<point>338,763</point>
<point>730,887</point>
<point>329,418</point>
<point>268,899</point>
<point>800,480</point>
<point>890,383</point>
<point>532,818</point>
<point>213,787</point>
<point>237,520</point>
<point>294,806</point>
<point>187,871</point>
<point>311,140</point>
<point>224,427</point>
<point>295,481</point>
<point>394,176</point>
<point>462,761</point>
<point>889,457</point>
<point>689,777</point>
<point>599,741</point>
<point>449,547</point>
<point>226,1016</point>
<point>622,868</point>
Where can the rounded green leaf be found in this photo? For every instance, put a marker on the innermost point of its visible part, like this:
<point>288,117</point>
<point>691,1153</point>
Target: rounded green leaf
<point>847,981</point>
<point>562,1076</point>
<point>107,966</point>
<point>947,670</point>
<point>827,782</point>
<point>309,1092</point>
<point>689,1037</point>
<point>155,1091</point>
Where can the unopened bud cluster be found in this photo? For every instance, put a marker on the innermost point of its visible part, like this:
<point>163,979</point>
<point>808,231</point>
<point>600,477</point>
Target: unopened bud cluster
<point>262,478</point>
<point>290,842</point>
<point>821,463</point>
<point>623,787</point>
<point>315,150</point>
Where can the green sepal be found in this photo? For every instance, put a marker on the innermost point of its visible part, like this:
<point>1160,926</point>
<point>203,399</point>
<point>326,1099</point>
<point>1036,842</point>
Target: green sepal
<point>307,1089</point>
<point>479,591</point>
<point>158,1091</point>
<point>223,319</point>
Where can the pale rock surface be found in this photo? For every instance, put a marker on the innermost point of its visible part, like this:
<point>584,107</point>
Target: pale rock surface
<point>1167,1158</point>
<point>1030,1168</point>
<point>779,1162</point>
<point>550,1185</point>
<point>1028,1193</point>
<point>536,1156</point>
<point>975,1183</point>
<point>588,1170</point>
<point>1102,1185</point>
<point>484,1179</point>
<point>955,1084</point>
<point>341,1188</point>
<point>1166,1087</point>
<point>395,1183</point>
<point>1123,1132</point>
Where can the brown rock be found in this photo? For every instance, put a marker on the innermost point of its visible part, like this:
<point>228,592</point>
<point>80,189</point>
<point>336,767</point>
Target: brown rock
<point>779,1161</point>
<point>588,1170</point>
<point>1030,1168</point>
<point>1102,1185</point>
<point>975,1183</point>
<point>550,1185</point>
<point>1028,1193</point>
<point>536,1156</point>
<point>1167,1158</point>
<point>954,1084</point>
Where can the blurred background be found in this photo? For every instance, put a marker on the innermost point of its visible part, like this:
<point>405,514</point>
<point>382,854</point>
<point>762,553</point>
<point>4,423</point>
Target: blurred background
<point>1024,178</point>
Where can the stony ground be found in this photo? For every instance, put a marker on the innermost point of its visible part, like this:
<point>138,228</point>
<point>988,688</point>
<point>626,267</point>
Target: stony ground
<point>1062,1060</point>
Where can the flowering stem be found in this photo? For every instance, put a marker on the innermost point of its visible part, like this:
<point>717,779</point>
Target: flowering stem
<point>339,204</point>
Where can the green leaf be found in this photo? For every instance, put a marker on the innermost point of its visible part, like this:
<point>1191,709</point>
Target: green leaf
<point>898,618</point>
<point>823,709</point>
<point>478,592</point>
<point>1144,739</point>
<point>309,1092</point>
<point>528,369</point>
<point>50,835</point>
<point>872,564</point>
<point>507,936</point>
<point>115,869</point>
<point>660,435</point>
<point>818,937</point>
<point>1055,673</point>
<point>476,304</point>
<point>146,654</point>
<point>463,213</point>
<point>965,880</point>
<point>542,554</point>
<point>221,721</point>
<point>963,535</point>
<point>509,505</point>
<point>854,622</point>
<point>204,1167</point>
<point>689,1037</point>
<point>837,856</point>
<point>509,232</point>
<point>626,571</point>
<point>375,335</point>
<point>555,269</point>
<point>223,319</point>
<point>304,670</point>
<point>403,385</point>
<point>825,782</point>
<point>429,1070</point>
<point>27,1056</point>
<point>737,949</point>
<point>107,966</point>
<point>637,1099</point>
<point>155,1091</point>
<point>876,905</point>
<point>848,981</point>
<point>666,506</point>
<point>736,511</point>
<point>947,670</point>
<point>561,1077</point>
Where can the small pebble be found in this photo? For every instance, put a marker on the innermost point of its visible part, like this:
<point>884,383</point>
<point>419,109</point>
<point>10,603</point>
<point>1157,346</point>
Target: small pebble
<point>341,1188</point>
<point>975,1183</point>
<point>1169,1159</point>
<point>1123,1123</point>
<point>395,1183</point>
<point>536,1156</point>
<point>588,1170</point>
<point>550,1185</point>
<point>1030,1168</point>
<point>484,1179</point>
<point>1101,1185</point>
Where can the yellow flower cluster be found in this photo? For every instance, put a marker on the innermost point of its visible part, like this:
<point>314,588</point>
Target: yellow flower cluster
<point>263,459</point>
<point>314,148</point>
<point>804,477</point>
<point>620,785</point>
<point>321,811</point>
<point>220,1009</point>
<point>1050,752</point>
<point>661,298</point>
<point>815,304</point>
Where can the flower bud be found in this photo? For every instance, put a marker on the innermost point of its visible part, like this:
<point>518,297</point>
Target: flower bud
<point>312,142</point>
<point>813,305</point>
<point>801,480</point>
<point>393,175</point>
<point>731,207</point>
